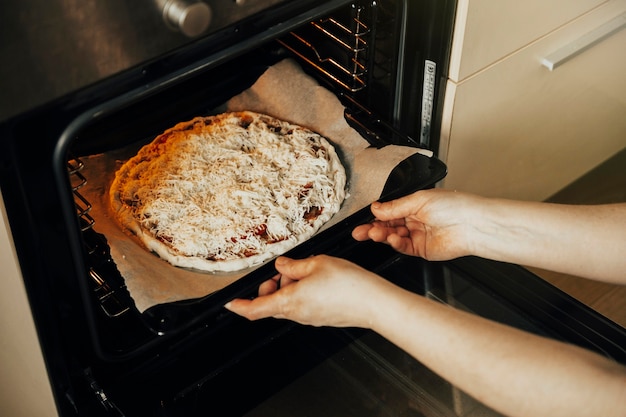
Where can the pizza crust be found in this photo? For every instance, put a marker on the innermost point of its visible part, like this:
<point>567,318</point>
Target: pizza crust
<point>228,192</point>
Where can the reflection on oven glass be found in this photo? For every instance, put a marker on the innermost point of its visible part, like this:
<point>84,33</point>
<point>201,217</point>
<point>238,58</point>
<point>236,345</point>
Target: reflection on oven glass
<point>370,377</point>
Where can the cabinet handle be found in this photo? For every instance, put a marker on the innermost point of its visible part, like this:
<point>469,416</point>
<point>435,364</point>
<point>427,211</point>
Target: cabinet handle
<point>567,52</point>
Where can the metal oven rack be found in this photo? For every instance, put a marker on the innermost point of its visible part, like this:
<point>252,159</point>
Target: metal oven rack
<point>339,47</point>
<point>348,73</point>
<point>106,294</point>
<point>78,180</point>
<point>355,53</point>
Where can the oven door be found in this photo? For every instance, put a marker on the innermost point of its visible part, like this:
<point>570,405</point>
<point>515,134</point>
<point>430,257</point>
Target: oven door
<point>308,371</point>
<point>100,349</point>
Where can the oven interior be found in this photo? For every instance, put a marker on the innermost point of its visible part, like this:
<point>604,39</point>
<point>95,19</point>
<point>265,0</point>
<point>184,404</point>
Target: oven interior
<point>353,51</point>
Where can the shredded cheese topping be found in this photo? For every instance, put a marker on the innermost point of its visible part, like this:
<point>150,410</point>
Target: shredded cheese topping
<point>229,186</point>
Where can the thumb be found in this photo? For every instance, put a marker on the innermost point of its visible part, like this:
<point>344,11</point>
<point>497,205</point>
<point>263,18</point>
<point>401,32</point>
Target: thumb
<point>294,269</point>
<point>396,209</point>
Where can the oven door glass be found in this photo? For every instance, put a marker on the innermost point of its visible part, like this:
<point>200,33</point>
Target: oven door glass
<point>308,371</point>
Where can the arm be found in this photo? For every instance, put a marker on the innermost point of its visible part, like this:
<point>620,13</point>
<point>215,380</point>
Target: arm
<point>588,241</point>
<point>514,372</point>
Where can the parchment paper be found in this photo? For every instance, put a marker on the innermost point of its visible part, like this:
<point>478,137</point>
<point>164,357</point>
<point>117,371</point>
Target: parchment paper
<point>285,92</point>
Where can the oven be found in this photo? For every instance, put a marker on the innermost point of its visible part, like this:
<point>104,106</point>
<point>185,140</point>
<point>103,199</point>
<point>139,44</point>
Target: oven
<point>89,82</point>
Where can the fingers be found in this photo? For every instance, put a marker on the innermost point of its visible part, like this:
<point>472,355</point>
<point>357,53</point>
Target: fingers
<point>380,231</point>
<point>293,269</point>
<point>270,286</point>
<point>258,308</point>
<point>361,232</point>
<point>405,245</point>
<point>390,218</point>
<point>267,304</point>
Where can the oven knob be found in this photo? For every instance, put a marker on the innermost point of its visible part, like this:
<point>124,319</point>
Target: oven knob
<point>188,16</point>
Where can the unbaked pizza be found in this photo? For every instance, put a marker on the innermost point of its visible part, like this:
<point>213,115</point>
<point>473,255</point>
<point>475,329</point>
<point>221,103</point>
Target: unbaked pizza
<point>228,192</point>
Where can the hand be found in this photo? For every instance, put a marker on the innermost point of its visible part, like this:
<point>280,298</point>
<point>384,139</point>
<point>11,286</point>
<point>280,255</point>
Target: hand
<point>319,291</point>
<point>432,224</point>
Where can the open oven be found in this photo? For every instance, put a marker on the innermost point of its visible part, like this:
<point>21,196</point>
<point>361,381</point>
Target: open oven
<point>111,347</point>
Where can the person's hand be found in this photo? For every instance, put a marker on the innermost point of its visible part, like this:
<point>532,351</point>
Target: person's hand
<point>432,224</point>
<point>319,291</point>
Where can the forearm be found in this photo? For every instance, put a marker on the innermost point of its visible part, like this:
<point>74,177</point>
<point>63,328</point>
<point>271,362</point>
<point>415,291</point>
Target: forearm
<point>515,372</point>
<point>588,241</point>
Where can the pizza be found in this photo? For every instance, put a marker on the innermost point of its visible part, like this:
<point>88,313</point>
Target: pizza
<point>229,191</point>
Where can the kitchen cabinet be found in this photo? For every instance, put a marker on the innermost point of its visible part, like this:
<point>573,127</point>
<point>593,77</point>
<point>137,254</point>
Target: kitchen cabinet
<point>23,376</point>
<point>514,128</point>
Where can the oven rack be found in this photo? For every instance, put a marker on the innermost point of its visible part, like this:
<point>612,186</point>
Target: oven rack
<point>339,50</point>
<point>111,304</point>
<point>78,180</point>
<point>375,130</point>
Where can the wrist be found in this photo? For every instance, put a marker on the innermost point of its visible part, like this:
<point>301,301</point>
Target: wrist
<point>473,218</point>
<point>499,229</point>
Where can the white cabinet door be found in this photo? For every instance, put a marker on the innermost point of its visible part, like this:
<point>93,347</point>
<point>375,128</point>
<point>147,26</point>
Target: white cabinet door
<point>518,130</point>
<point>488,30</point>
<point>26,390</point>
